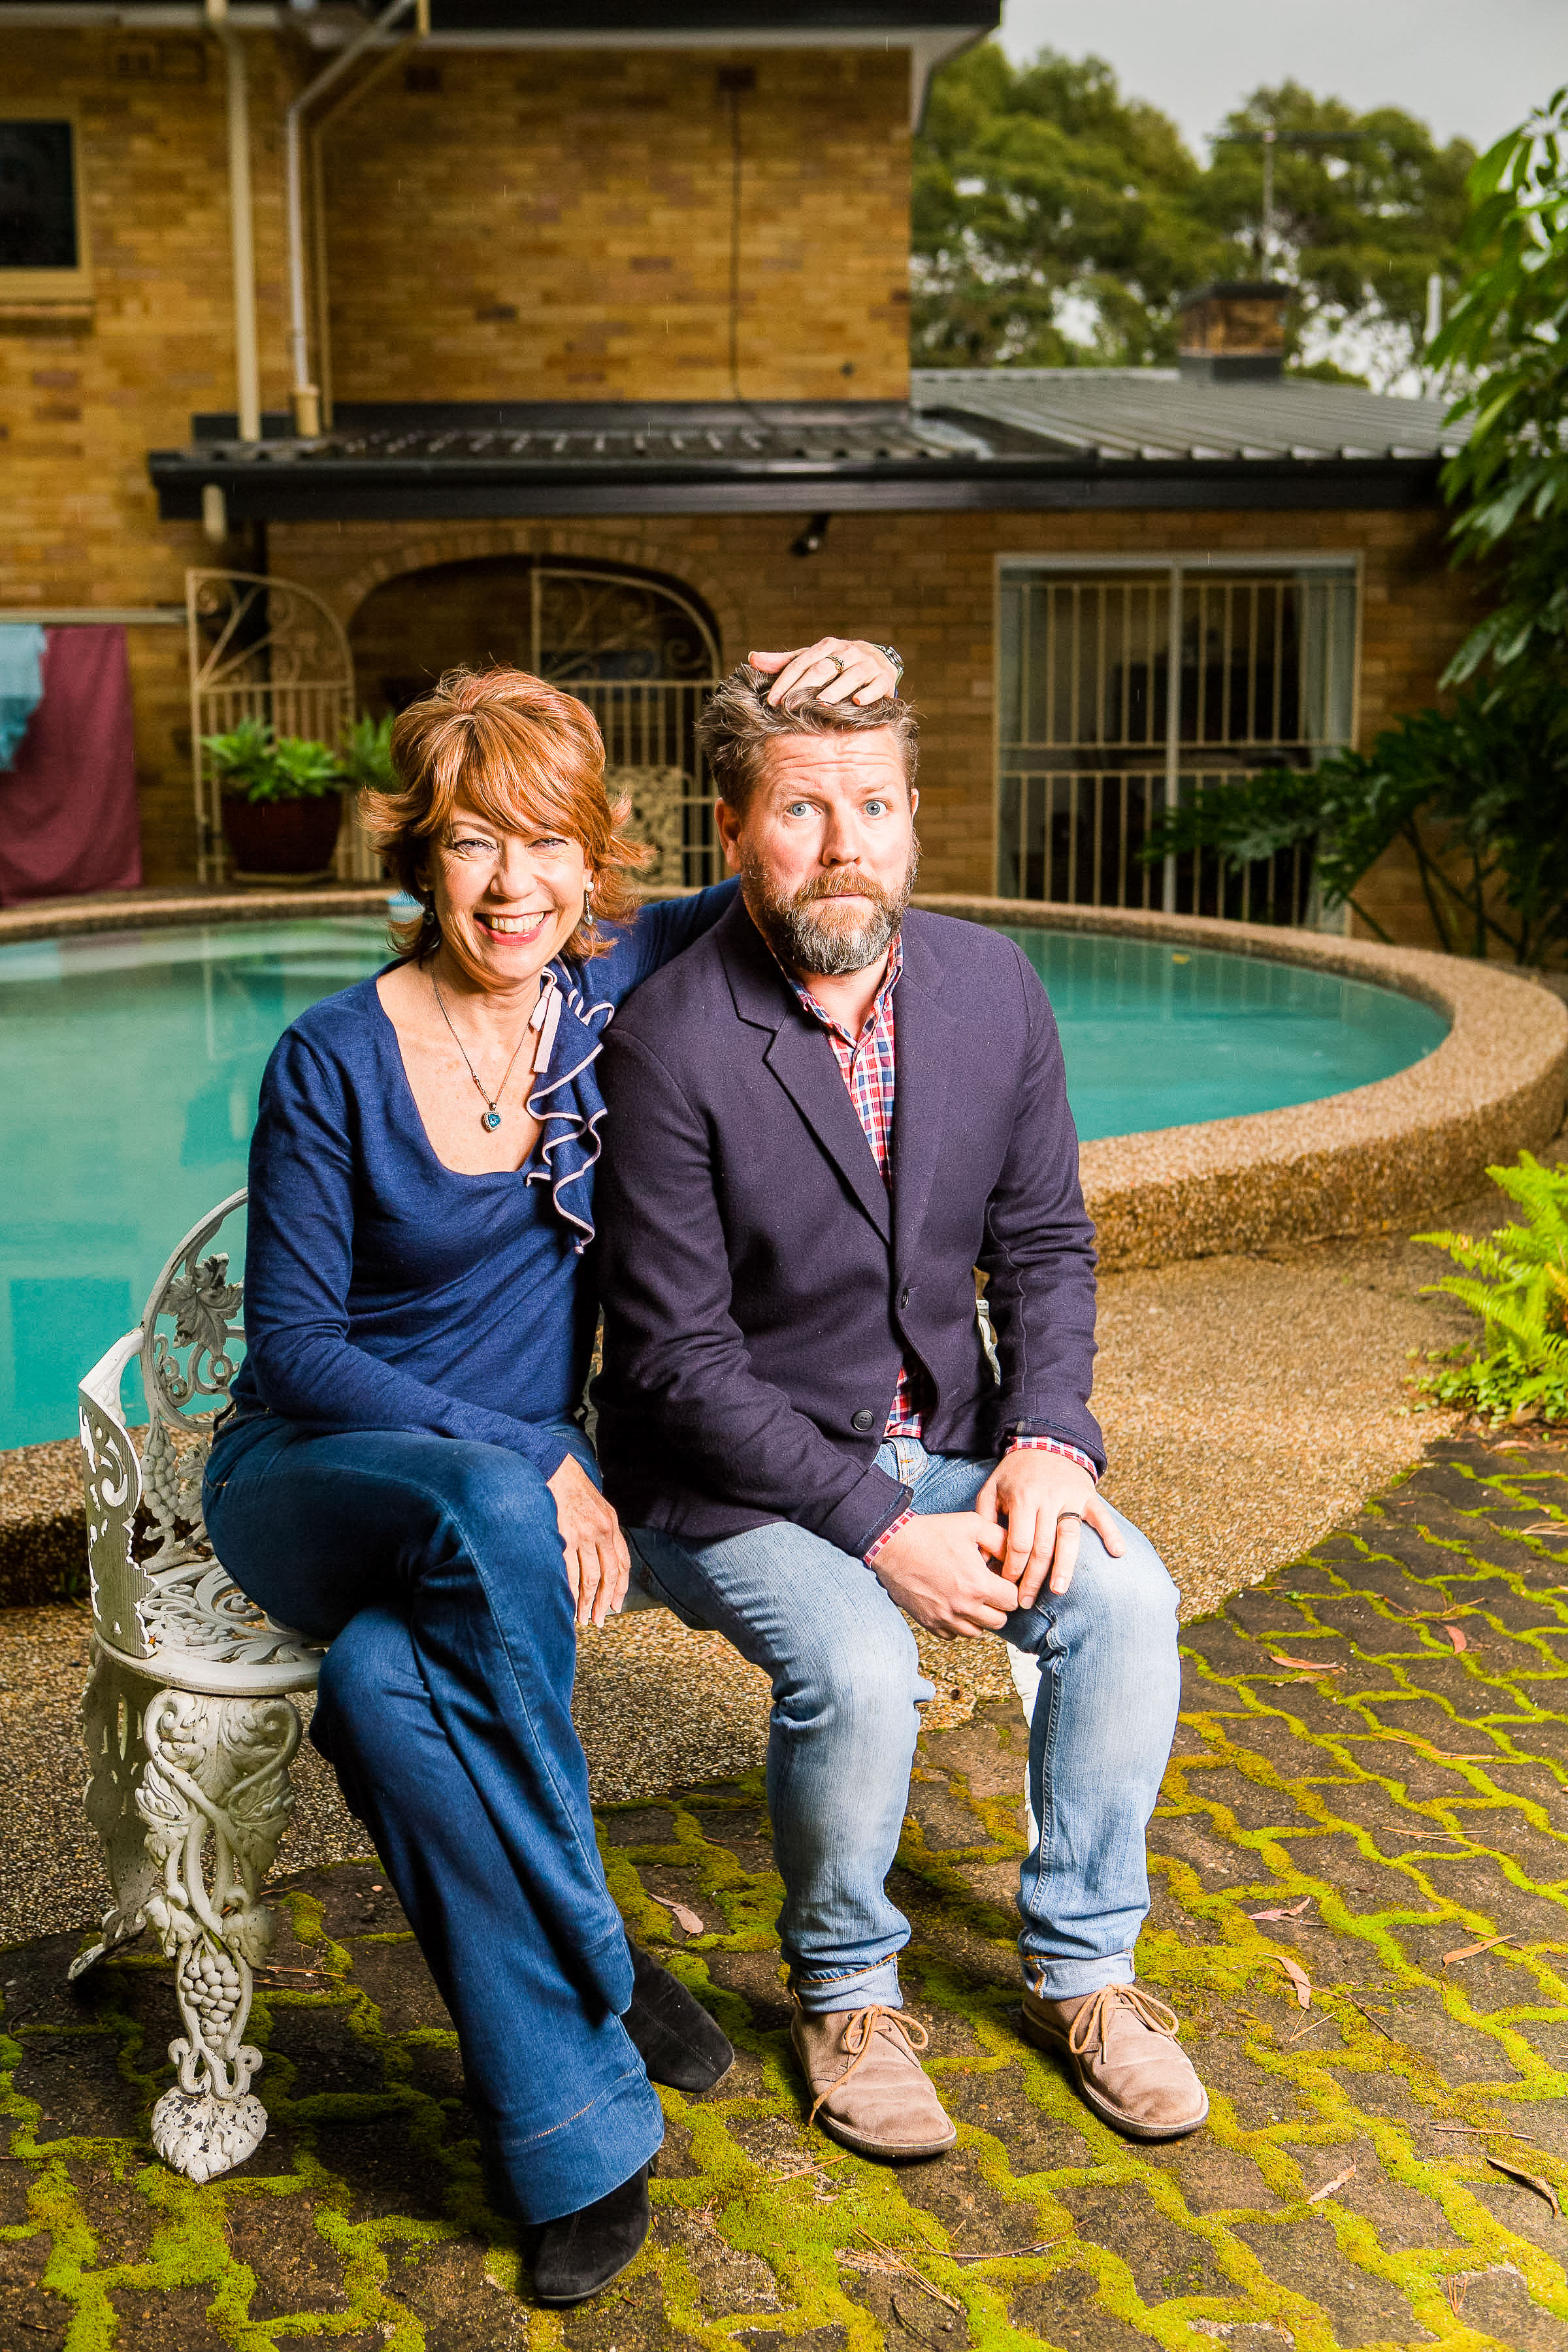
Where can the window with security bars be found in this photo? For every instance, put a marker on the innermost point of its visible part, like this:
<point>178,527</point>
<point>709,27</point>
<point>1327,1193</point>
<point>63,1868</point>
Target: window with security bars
<point>1125,689</point>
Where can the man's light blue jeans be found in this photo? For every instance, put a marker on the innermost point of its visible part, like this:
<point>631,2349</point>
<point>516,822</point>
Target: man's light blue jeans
<point>846,1691</point>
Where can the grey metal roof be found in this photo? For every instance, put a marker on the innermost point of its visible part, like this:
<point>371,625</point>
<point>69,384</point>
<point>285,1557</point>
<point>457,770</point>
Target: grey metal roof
<point>994,439</point>
<point>1158,414</point>
<point>632,435</point>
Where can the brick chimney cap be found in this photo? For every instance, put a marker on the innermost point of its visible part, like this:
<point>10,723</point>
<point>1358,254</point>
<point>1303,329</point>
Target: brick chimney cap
<point>1240,290</point>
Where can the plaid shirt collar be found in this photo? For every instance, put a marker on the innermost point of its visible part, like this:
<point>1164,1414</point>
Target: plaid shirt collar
<point>879,1006</point>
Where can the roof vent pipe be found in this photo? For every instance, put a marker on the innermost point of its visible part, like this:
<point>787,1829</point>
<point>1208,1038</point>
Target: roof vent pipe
<point>246,361</point>
<point>1233,332</point>
<point>305,396</point>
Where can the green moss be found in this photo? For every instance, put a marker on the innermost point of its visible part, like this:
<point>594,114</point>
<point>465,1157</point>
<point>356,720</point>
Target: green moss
<point>1358,1791</point>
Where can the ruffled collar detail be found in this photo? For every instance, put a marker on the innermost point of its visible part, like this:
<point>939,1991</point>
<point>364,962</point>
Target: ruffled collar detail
<point>567,1103</point>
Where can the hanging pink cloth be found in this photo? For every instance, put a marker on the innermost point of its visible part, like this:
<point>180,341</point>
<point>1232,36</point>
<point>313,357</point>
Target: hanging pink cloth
<point>68,802</point>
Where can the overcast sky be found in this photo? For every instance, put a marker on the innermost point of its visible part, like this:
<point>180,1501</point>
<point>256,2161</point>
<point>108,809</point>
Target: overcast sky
<point>1470,68</point>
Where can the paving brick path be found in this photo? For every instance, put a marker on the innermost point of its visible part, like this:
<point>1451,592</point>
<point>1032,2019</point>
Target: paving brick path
<point>1366,2177</point>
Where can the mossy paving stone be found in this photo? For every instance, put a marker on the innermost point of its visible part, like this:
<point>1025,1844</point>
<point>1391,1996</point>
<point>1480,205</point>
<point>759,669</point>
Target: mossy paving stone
<point>361,2219</point>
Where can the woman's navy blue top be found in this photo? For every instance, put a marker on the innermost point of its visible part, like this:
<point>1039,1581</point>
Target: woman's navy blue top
<point>383,1290</point>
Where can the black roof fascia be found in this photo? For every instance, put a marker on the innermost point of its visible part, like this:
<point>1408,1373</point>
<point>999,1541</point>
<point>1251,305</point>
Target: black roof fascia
<point>356,490</point>
<point>789,18</point>
<point>710,17</point>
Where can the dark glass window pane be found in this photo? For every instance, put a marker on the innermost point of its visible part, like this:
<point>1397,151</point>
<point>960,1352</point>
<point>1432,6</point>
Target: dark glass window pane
<point>37,196</point>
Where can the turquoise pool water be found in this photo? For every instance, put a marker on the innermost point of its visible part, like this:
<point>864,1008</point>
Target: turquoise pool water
<point>130,1062</point>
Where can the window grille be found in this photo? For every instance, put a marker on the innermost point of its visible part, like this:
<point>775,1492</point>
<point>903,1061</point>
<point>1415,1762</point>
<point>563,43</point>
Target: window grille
<point>1094,742</point>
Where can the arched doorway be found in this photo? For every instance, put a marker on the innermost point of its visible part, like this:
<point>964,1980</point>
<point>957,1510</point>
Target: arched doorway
<point>641,650</point>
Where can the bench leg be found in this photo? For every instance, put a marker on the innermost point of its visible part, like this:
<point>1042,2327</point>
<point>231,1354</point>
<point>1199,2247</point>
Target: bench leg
<point>211,1799</point>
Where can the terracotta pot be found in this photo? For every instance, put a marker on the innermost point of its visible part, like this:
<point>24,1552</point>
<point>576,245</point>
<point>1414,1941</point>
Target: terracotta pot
<point>281,841</point>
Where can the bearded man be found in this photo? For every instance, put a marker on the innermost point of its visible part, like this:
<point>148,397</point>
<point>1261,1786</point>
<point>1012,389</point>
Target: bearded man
<point>831,1113</point>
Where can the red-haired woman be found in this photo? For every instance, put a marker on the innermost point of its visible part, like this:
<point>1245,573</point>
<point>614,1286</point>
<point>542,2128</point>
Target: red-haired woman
<point>404,1473</point>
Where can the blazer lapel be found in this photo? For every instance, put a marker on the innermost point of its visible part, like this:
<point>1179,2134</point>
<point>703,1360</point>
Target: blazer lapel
<point>802,1060</point>
<point>925,1044</point>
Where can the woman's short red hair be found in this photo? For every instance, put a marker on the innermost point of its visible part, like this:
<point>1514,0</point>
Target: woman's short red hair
<point>523,755</point>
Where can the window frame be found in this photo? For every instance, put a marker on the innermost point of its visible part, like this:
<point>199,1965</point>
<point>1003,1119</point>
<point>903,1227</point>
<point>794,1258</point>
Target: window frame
<point>36,289</point>
<point>1175,563</point>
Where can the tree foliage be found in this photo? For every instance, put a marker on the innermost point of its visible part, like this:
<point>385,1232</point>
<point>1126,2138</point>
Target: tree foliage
<point>1509,332</point>
<point>1366,208</point>
<point>1058,223</point>
<point>1478,795</point>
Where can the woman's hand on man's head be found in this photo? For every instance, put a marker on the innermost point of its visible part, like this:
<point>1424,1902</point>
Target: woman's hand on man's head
<point>837,669</point>
<point>598,1565</point>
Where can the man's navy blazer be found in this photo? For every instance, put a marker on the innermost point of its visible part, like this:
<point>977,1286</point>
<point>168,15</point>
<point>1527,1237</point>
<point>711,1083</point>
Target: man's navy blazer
<point>761,1287</point>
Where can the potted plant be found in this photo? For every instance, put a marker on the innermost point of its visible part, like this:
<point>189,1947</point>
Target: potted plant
<point>282,803</point>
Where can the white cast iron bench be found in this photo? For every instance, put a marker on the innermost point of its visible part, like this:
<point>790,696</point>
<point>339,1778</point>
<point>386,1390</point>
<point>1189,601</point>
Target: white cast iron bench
<point>189,1716</point>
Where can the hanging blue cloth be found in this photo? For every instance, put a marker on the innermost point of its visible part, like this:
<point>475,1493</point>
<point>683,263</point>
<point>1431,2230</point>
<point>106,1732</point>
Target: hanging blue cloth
<point>21,682</point>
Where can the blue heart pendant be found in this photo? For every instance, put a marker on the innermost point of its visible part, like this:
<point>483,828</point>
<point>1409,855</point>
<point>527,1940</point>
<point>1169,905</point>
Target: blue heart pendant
<point>492,1119</point>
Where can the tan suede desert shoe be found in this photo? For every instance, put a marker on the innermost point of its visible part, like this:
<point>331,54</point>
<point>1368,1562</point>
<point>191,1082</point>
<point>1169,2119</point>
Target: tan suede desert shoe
<point>868,2088</point>
<point>1122,2045</point>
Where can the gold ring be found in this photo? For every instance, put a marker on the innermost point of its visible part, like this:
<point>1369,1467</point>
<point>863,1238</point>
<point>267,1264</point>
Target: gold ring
<point>840,664</point>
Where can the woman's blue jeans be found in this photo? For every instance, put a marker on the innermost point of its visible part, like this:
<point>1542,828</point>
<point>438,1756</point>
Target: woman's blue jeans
<point>847,1694</point>
<point>435,1570</point>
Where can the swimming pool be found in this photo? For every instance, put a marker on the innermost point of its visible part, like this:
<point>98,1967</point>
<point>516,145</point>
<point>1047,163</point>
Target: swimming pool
<point>130,1062</point>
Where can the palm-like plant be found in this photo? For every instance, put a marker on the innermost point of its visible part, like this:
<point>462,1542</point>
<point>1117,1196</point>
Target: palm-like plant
<point>366,756</point>
<point>1517,1282</point>
<point>254,764</point>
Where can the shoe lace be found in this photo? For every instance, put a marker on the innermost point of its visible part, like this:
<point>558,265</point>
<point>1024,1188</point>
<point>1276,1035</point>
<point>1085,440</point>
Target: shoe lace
<point>1093,2020</point>
<point>858,2037</point>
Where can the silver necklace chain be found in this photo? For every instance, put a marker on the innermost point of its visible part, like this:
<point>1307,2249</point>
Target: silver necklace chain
<point>535,1022</point>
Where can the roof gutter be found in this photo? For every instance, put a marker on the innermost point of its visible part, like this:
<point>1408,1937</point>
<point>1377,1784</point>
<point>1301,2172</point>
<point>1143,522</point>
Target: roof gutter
<point>930,45</point>
<point>328,490</point>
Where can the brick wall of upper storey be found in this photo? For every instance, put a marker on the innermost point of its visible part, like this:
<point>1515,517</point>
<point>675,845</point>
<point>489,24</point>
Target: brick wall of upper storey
<point>547,226</point>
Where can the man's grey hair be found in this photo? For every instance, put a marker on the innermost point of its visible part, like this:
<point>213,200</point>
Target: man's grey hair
<point>739,723</point>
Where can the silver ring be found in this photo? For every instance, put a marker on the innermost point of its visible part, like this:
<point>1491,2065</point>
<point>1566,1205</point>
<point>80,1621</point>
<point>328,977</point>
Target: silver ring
<point>1076,1516</point>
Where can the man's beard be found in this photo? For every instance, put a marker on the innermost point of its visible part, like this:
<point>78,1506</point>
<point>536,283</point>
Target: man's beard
<point>803,942</point>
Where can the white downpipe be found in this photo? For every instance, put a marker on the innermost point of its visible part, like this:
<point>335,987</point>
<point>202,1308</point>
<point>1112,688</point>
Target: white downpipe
<point>303,391</point>
<point>242,242</point>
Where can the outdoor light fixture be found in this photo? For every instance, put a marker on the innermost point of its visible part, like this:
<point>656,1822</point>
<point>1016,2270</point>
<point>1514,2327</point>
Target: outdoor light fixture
<point>811,537</point>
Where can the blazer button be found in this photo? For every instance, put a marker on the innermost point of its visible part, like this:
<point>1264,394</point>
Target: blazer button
<point>863,1420</point>
<point>904,1295</point>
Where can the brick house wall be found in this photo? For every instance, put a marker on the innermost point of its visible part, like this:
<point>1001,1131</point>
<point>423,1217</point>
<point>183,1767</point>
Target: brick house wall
<point>616,294</point>
<point>546,225</point>
<point>926,583</point>
<point>506,187</point>
<point>81,403</point>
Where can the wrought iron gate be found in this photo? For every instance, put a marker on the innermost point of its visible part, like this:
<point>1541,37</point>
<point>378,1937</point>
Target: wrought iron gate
<point>1126,687</point>
<point>645,660</point>
<point>270,650</point>
<point>641,654</point>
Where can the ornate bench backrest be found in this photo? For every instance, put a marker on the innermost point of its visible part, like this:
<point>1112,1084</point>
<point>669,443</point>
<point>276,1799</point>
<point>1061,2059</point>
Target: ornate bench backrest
<point>155,1583</point>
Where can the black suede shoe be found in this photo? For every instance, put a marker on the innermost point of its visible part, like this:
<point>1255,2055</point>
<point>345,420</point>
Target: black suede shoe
<point>675,2039</point>
<point>583,2251</point>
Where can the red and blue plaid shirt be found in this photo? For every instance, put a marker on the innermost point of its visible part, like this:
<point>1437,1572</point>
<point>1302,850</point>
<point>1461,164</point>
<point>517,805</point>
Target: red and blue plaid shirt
<point>868,1064</point>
